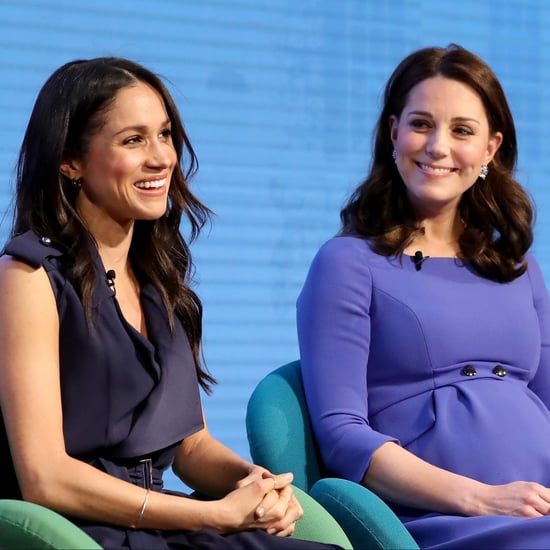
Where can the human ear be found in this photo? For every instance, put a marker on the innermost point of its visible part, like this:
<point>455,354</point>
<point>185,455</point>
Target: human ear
<point>495,142</point>
<point>394,123</point>
<point>71,169</point>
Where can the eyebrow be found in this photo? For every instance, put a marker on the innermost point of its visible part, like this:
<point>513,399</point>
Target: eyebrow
<point>140,127</point>
<point>455,119</point>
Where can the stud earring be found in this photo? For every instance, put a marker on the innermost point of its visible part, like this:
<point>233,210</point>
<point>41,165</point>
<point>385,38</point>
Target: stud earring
<point>394,155</point>
<point>484,171</point>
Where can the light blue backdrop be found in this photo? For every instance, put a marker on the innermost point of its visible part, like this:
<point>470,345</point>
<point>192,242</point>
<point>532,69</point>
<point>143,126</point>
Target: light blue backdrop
<point>279,98</point>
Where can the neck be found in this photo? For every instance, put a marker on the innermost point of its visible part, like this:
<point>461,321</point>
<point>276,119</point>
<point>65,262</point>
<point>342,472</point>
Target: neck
<point>439,237</point>
<point>114,250</point>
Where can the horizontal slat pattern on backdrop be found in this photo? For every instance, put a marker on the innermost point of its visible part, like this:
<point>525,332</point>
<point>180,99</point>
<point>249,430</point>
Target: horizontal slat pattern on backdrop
<point>279,98</point>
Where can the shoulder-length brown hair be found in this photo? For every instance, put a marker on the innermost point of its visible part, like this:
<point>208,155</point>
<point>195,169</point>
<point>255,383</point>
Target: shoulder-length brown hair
<point>497,212</point>
<point>70,107</point>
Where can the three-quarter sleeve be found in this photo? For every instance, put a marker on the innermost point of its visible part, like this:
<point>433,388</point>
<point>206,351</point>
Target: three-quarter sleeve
<point>333,324</point>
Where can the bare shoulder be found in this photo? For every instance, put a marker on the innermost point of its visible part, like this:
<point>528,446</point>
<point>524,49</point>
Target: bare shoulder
<point>13,271</point>
<point>24,287</point>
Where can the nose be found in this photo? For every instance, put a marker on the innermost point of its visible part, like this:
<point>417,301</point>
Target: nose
<point>159,154</point>
<point>437,145</point>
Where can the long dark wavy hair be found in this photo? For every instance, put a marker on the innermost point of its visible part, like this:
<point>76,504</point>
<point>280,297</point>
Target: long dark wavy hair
<point>70,107</point>
<point>497,212</point>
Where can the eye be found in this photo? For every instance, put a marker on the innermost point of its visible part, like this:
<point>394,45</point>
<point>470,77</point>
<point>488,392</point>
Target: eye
<point>166,133</point>
<point>420,124</point>
<point>132,140</point>
<point>463,131</point>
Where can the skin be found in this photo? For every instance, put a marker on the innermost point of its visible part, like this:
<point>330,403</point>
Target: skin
<point>132,147</point>
<point>442,137</point>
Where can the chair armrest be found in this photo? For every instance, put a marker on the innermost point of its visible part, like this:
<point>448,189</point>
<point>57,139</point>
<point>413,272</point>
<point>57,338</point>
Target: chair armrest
<point>31,526</point>
<point>367,520</point>
<point>317,524</point>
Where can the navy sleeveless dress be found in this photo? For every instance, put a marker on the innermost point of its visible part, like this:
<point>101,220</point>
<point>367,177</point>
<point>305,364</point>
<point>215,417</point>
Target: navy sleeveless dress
<point>128,401</point>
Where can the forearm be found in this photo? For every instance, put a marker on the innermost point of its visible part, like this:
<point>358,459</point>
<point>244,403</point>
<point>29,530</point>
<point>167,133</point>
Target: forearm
<point>208,466</point>
<point>74,488</point>
<point>398,476</point>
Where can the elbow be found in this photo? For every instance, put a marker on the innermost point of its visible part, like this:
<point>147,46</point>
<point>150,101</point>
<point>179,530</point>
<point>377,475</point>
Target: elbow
<point>333,451</point>
<point>40,486</point>
<point>345,451</point>
<point>346,463</point>
<point>37,493</point>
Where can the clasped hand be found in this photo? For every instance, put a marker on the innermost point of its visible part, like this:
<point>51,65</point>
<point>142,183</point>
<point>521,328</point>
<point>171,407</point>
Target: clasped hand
<point>265,501</point>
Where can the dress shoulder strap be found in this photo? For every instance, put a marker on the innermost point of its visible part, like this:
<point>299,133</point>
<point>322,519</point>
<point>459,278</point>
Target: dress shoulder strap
<point>32,248</point>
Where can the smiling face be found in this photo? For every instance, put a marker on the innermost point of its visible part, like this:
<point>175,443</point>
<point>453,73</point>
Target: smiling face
<point>442,137</point>
<point>127,169</point>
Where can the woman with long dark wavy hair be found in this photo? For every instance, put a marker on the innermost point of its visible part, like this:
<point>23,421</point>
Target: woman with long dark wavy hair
<point>100,329</point>
<point>424,326</point>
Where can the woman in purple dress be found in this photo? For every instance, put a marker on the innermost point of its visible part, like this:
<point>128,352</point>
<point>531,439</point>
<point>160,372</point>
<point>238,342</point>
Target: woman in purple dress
<point>100,331</point>
<point>424,326</point>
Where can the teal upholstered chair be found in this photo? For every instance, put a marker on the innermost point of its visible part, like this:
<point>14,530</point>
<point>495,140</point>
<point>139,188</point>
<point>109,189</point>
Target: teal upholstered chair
<point>281,439</point>
<point>30,526</point>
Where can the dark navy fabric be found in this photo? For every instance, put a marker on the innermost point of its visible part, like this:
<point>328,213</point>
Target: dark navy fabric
<point>124,397</point>
<point>454,367</point>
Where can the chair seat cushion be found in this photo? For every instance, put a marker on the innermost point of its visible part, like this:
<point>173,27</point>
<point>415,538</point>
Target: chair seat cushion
<point>31,526</point>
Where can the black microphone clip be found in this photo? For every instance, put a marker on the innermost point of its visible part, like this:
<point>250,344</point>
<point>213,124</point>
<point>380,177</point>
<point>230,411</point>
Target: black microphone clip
<point>111,276</point>
<point>418,259</point>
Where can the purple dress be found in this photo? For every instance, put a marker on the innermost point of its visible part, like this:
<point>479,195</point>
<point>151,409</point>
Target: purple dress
<point>452,366</point>
<point>128,401</point>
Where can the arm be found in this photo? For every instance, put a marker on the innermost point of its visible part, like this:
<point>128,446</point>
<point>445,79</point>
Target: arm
<point>334,334</point>
<point>333,321</point>
<point>208,466</point>
<point>205,464</point>
<point>398,475</point>
<point>30,398</point>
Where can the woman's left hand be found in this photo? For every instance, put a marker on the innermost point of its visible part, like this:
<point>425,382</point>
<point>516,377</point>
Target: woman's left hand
<point>279,510</point>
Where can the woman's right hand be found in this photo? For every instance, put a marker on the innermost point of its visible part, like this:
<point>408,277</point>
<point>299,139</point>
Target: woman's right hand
<point>524,499</point>
<point>238,509</point>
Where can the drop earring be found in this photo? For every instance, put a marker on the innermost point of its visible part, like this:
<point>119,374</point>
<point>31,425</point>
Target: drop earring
<point>77,183</point>
<point>394,155</point>
<point>484,171</point>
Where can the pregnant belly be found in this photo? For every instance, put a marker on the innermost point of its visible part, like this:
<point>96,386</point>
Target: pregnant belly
<point>493,431</point>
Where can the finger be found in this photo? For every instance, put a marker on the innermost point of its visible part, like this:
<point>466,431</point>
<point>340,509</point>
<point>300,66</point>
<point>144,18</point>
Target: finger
<point>277,515</point>
<point>286,493</point>
<point>542,508</point>
<point>283,532</point>
<point>541,504</point>
<point>257,490</point>
<point>283,480</point>
<point>299,511</point>
<point>256,472</point>
<point>266,506</point>
<point>545,496</point>
<point>285,523</point>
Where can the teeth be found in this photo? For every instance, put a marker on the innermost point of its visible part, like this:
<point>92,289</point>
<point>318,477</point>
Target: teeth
<point>437,171</point>
<point>150,184</point>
